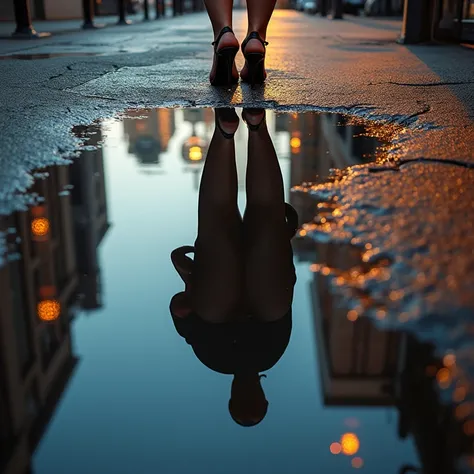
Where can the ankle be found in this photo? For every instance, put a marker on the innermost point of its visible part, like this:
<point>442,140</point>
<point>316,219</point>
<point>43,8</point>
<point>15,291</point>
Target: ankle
<point>261,31</point>
<point>218,28</point>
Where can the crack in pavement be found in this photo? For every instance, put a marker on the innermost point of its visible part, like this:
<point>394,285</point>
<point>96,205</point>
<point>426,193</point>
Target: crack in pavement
<point>115,68</point>
<point>406,161</point>
<point>426,109</point>
<point>69,68</point>
<point>422,84</point>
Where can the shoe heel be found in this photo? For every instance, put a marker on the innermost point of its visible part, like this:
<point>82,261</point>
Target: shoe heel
<point>255,64</point>
<point>225,64</point>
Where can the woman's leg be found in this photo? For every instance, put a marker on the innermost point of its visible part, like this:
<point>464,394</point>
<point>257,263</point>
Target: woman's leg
<point>269,272</point>
<point>259,14</point>
<point>220,14</point>
<point>216,282</point>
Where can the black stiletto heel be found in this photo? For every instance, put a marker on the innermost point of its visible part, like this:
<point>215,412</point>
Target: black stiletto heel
<point>255,61</point>
<point>224,61</point>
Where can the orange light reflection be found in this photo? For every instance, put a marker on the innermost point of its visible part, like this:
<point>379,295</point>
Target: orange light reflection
<point>335,448</point>
<point>40,226</point>
<point>350,444</point>
<point>357,463</point>
<point>49,310</point>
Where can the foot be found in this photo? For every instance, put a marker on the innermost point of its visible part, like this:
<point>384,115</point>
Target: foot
<point>227,121</point>
<point>228,40</point>
<point>253,46</point>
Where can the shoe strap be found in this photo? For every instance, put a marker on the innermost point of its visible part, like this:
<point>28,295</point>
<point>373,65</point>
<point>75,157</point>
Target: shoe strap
<point>226,135</point>
<point>226,29</point>
<point>253,127</point>
<point>251,36</point>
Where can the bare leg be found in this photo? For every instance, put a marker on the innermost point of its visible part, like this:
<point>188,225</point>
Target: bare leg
<point>269,273</point>
<point>220,14</point>
<point>216,286</point>
<point>259,14</point>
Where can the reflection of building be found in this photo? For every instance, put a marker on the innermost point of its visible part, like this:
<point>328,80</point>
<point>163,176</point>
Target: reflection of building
<point>38,289</point>
<point>319,142</point>
<point>440,432</point>
<point>89,204</point>
<point>358,362</point>
<point>361,365</point>
<point>194,148</point>
<point>149,134</point>
<point>52,257</point>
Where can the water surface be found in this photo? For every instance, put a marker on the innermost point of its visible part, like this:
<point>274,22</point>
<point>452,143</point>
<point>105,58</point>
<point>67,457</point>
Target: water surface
<point>108,385</point>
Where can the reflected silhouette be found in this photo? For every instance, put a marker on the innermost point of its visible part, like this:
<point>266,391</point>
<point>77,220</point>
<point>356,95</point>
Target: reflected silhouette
<point>235,310</point>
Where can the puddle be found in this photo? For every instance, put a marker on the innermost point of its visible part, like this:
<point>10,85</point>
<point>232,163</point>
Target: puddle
<point>98,373</point>
<point>46,55</point>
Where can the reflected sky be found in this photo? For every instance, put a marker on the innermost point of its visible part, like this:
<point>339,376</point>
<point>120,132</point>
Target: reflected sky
<point>138,400</point>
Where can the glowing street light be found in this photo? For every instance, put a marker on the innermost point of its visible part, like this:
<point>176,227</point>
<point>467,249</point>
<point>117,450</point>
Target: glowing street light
<point>195,153</point>
<point>49,310</point>
<point>295,142</point>
<point>40,226</point>
<point>350,444</point>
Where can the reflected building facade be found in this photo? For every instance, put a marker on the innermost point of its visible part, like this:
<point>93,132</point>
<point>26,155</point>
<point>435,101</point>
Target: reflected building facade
<point>195,146</point>
<point>148,134</point>
<point>318,143</point>
<point>359,364</point>
<point>91,219</point>
<point>51,269</point>
<point>38,286</point>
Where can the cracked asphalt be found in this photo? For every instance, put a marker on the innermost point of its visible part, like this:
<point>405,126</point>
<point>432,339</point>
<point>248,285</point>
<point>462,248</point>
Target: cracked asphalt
<point>354,66</point>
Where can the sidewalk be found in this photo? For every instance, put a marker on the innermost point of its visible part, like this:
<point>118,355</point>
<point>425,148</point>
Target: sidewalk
<point>63,26</point>
<point>69,26</point>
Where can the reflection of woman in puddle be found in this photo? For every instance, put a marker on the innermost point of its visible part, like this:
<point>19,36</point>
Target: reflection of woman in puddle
<point>235,311</point>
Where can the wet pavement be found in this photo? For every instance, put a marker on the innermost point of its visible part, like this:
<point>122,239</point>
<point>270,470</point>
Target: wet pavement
<point>118,357</point>
<point>32,57</point>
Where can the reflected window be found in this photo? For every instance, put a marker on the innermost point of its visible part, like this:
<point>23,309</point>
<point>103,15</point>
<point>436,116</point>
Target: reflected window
<point>20,315</point>
<point>32,403</point>
<point>49,345</point>
<point>6,431</point>
<point>29,235</point>
<point>60,267</point>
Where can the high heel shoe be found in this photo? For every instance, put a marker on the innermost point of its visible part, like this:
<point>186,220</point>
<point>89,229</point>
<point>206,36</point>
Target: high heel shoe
<point>230,116</point>
<point>255,112</point>
<point>254,61</point>
<point>224,61</point>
